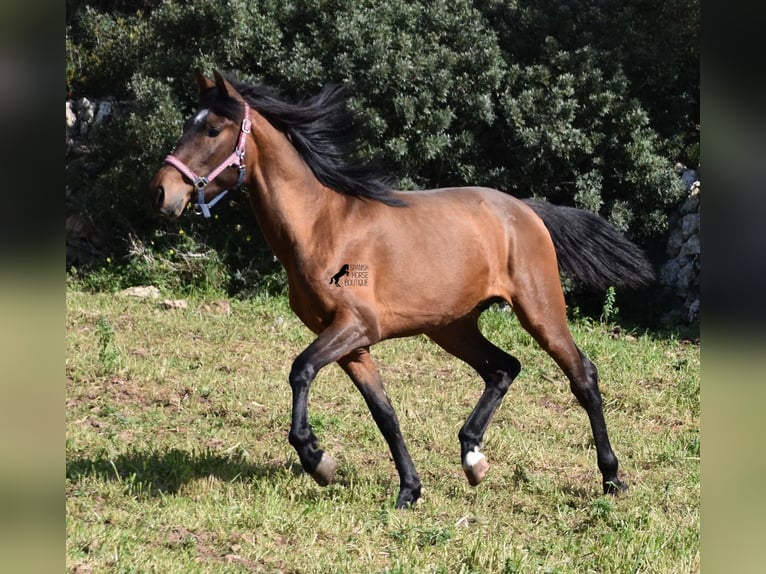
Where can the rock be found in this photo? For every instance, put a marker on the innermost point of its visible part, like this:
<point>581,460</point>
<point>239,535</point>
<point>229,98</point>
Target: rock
<point>690,224</point>
<point>695,189</point>
<point>104,111</point>
<point>692,203</point>
<point>669,272</point>
<point>222,307</point>
<point>148,291</point>
<point>86,111</point>
<point>694,311</point>
<point>689,176</point>
<point>71,117</point>
<point>174,304</point>
<point>675,242</point>
<point>691,247</point>
<point>685,279</point>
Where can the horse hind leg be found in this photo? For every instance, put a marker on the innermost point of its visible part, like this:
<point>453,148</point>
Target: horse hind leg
<point>497,368</point>
<point>589,397</point>
<point>544,317</point>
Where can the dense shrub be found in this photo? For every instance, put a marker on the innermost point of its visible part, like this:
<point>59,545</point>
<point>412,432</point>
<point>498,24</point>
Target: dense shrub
<point>569,134</point>
<point>583,103</point>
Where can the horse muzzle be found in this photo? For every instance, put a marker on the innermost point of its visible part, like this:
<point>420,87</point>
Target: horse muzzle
<point>165,198</point>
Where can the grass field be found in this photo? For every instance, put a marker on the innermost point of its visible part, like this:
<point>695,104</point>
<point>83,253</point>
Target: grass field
<point>177,457</point>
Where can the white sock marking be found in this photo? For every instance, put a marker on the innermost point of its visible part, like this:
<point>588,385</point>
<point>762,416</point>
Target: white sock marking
<point>473,457</point>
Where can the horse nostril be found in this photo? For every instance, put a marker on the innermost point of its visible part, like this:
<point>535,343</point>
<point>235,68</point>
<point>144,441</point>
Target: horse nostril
<point>160,198</point>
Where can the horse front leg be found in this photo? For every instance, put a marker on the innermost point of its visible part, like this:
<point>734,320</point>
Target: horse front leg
<point>335,342</point>
<point>360,367</point>
<point>313,460</point>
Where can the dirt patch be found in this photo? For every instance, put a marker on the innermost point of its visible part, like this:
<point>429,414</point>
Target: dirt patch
<point>122,391</point>
<point>559,407</point>
<point>210,548</point>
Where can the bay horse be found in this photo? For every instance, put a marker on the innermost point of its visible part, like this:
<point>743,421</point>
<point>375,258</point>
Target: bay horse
<point>419,262</point>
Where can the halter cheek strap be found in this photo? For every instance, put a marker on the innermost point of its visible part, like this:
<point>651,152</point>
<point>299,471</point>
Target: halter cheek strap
<point>236,158</point>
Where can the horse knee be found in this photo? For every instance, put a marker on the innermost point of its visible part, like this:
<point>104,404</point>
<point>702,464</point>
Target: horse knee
<point>301,374</point>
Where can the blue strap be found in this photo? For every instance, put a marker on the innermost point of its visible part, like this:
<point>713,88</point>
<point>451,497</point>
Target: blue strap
<point>204,208</point>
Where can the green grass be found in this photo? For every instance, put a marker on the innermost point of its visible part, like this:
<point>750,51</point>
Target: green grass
<point>177,457</point>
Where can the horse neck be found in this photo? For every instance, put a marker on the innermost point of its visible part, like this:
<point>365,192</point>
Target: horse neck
<point>287,198</point>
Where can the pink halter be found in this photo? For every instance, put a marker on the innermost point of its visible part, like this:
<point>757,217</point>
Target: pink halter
<point>237,158</point>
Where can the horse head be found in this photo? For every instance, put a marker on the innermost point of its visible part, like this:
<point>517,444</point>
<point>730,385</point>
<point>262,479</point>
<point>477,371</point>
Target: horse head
<point>203,166</point>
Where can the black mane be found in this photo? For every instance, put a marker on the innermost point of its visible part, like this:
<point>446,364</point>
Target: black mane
<point>323,131</point>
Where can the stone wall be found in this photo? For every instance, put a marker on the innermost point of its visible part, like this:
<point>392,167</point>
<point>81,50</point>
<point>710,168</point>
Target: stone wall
<point>680,274</point>
<point>83,241</point>
<point>81,116</point>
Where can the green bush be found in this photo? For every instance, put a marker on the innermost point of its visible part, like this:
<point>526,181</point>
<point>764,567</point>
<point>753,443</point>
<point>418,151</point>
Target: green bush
<point>570,135</point>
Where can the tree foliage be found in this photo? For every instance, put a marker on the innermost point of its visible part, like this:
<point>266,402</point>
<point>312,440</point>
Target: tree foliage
<point>586,103</point>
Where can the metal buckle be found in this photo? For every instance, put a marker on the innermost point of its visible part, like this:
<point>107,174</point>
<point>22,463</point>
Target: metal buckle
<point>200,208</point>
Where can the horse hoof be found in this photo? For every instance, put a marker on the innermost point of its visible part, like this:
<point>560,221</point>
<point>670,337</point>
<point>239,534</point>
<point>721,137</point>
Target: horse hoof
<point>408,497</point>
<point>325,470</point>
<point>615,487</point>
<point>475,466</point>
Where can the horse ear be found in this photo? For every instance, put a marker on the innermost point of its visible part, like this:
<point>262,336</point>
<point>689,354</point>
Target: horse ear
<point>203,82</point>
<point>224,86</point>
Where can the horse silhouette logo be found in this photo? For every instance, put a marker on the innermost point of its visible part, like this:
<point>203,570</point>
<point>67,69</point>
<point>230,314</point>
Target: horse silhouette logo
<point>343,271</point>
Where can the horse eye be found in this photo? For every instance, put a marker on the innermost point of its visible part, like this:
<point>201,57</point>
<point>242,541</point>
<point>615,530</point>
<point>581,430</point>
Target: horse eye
<point>213,132</point>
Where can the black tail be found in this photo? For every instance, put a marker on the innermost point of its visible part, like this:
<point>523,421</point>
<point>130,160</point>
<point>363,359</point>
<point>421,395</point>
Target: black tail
<point>591,249</point>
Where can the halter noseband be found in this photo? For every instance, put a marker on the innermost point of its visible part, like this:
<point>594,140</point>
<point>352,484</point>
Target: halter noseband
<point>236,158</point>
